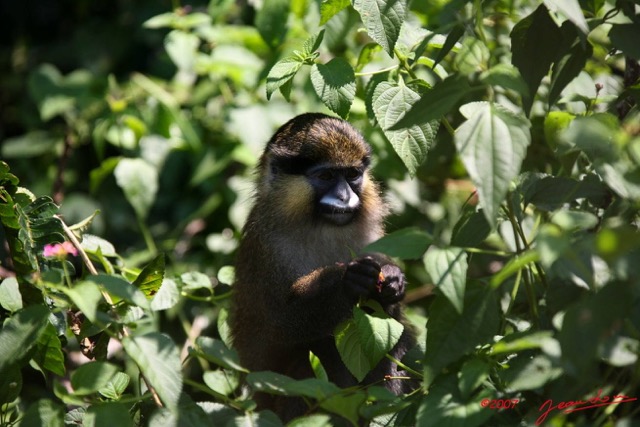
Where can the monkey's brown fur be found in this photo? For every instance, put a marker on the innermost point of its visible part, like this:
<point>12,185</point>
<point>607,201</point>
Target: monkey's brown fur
<point>290,291</point>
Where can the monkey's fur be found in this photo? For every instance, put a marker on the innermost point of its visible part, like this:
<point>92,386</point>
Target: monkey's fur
<point>295,276</point>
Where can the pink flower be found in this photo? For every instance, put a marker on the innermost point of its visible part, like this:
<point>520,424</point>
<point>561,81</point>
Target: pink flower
<point>60,250</point>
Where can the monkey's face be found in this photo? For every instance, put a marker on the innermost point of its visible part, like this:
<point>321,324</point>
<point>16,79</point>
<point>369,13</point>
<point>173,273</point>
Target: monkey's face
<point>337,192</point>
<point>317,166</point>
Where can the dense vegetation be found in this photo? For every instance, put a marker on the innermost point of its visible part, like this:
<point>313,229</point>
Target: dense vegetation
<point>506,135</point>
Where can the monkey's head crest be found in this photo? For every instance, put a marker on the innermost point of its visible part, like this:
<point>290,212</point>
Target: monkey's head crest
<point>313,138</point>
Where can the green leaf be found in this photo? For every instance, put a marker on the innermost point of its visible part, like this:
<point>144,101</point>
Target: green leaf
<point>158,359</point>
<point>108,414</point>
<point>471,229</point>
<point>520,341</point>
<point>115,387</point>
<point>182,48</point>
<point>281,73</point>
<point>271,21</point>
<point>407,243</point>
<point>10,298</point>
<point>450,335</point>
<point>534,47</point>
<point>472,375</point>
<point>436,102</point>
<point>121,289</point>
<point>86,296</point>
<point>382,19</point>
<point>492,144</point>
<point>48,354</point>
<point>150,278</point>
<point>31,144</point>
<point>364,340</point>
<point>473,56</point>
<point>167,296</point>
<point>335,84</point>
<point>329,8</point>
<point>91,377</point>
<point>571,10</point>
<point>530,372</point>
<point>624,37</point>
<point>139,181</point>
<point>20,333</point>
<point>448,270</point>
<point>567,67</point>
<point>318,369</point>
<point>347,406</point>
<point>221,381</point>
<point>195,280</point>
<point>10,385</point>
<point>44,413</point>
<point>281,385</point>
<point>314,420</point>
<point>217,352</point>
<point>390,103</point>
<point>506,76</point>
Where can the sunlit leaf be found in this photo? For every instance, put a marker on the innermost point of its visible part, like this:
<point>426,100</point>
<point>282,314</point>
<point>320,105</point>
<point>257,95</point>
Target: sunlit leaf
<point>158,359</point>
<point>448,269</point>
<point>335,84</point>
<point>328,8</point>
<point>139,181</point>
<point>492,144</point>
<point>382,19</point>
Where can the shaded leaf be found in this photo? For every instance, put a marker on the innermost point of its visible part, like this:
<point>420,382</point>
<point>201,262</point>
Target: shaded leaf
<point>334,82</point>
<point>91,377</point>
<point>270,23</point>
<point>407,243</point>
<point>19,334</point>
<point>448,269</point>
<point>217,352</point>
<point>107,414</point>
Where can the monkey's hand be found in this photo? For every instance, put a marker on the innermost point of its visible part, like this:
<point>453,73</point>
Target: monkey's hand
<point>365,278</point>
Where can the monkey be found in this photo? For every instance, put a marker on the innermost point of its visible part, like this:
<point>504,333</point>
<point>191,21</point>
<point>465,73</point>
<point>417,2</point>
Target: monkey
<point>315,205</point>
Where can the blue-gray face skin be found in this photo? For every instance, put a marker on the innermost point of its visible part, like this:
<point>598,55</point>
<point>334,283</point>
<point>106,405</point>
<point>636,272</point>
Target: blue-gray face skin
<point>337,192</point>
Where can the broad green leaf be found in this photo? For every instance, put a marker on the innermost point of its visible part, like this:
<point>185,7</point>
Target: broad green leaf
<point>452,39</point>
<point>158,359</point>
<point>167,296</point>
<point>315,420</point>
<point>10,385</point>
<point>150,278</point>
<point>318,369</point>
<point>624,37</point>
<point>139,181</point>
<point>571,10</point>
<point>492,144</point>
<point>120,288</point>
<point>91,377</point>
<point>43,413</point>
<point>436,102</point>
<point>10,298</point>
<point>86,296</point>
<point>281,73</point>
<point>217,352</point>
<point>506,76</point>
<point>278,384</point>
<point>448,270</point>
<point>473,56</point>
<point>520,341</point>
<point>227,274</point>
<point>271,21</point>
<point>378,335</point>
<point>567,67</point>
<point>48,354</point>
<point>348,344</point>
<point>471,229</point>
<point>328,8</point>
<point>347,406</point>
<point>20,333</point>
<point>107,414</point>
<point>182,47</point>
<point>444,406</point>
<point>472,375</point>
<point>382,19</point>
<point>115,387</point>
<point>221,381</point>
<point>534,47</point>
<point>390,103</point>
<point>407,243</point>
<point>450,335</point>
<point>335,84</point>
<point>527,372</point>
<point>195,280</point>
<point>364,340</point>
<point>312,44</point>
<point>31,144</point>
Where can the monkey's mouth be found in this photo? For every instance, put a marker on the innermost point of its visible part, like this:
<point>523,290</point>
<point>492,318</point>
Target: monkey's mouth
<point>338,216</point>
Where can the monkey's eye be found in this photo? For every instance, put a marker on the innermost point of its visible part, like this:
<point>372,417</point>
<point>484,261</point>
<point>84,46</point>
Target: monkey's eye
<point>352,174</point>
<point>324,175</point>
